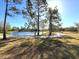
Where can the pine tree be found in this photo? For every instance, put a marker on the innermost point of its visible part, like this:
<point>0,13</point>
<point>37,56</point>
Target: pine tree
<point>54,19</point>
<point>7,3</point>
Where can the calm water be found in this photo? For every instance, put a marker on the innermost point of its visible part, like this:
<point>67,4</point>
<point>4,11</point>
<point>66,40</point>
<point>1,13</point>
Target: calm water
<point>22,33</point>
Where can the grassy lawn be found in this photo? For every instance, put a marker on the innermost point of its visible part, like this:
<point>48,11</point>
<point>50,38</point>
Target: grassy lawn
<point>66,47</point>
<point>1,34</point>
<point>8,33</point>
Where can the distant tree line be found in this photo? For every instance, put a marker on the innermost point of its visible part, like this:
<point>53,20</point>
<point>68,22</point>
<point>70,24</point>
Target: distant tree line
<point>71,28</point>
<point>8,26</point>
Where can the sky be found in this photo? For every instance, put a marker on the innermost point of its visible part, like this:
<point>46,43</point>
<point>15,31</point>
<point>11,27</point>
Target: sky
<point>68,9</point>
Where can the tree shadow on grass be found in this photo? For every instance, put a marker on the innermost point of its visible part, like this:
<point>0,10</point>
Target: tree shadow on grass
<point>55,49</point>
<point>5,42</point>
<point>2,45</point>
<point>19,51</point>
<point>68,37</point>
<point>52,48</point>
<point>8,40</point>
<point>48,48</point>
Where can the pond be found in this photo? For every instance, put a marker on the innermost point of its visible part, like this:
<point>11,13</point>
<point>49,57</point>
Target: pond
<point>23,34</point>
<point>14,34</point>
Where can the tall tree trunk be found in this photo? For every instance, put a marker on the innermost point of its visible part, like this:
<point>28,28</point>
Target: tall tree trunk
<point>38,21</point>
<point>50,27</point>
<point>4,25</point>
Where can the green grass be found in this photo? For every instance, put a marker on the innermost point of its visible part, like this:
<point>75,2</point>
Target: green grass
<point>8,33</point>
<point>1,34</point>
<point>66,47</point>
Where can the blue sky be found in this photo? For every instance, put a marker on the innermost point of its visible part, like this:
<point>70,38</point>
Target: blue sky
<point>69,10</point>
<point>70,14</point>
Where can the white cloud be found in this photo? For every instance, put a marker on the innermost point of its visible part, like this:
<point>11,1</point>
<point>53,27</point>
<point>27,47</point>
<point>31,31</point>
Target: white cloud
<point>53,3</point>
